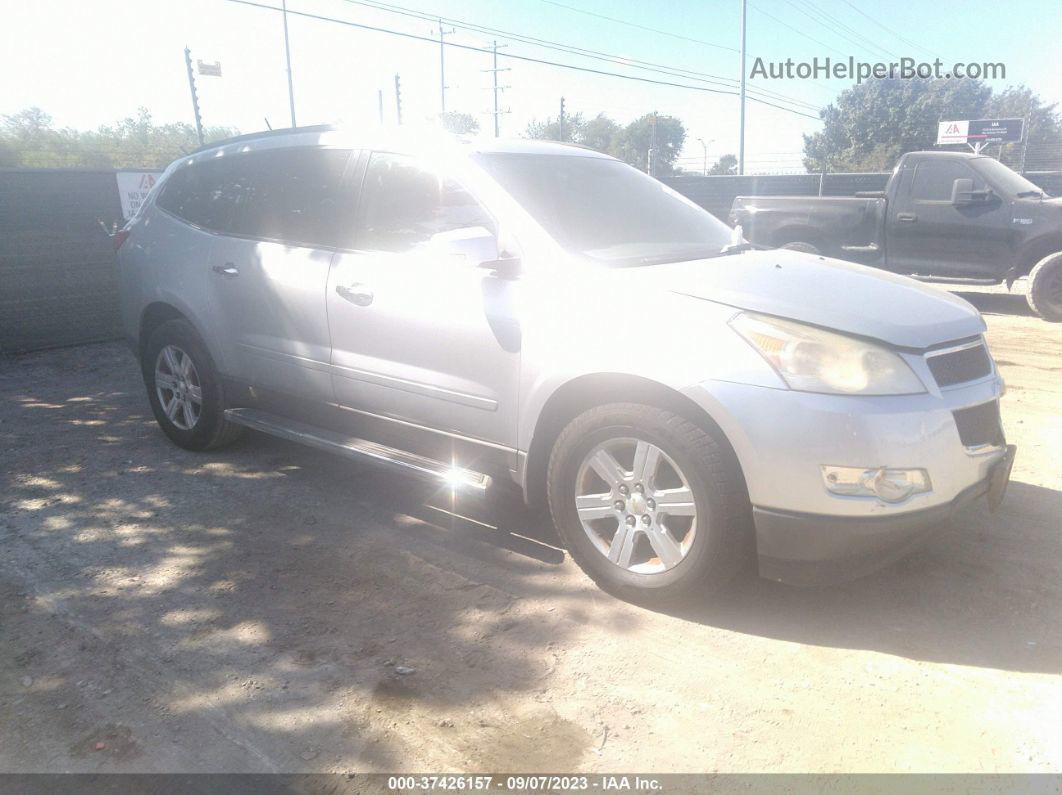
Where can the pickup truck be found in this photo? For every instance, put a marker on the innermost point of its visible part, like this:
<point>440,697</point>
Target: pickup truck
<point>946,216</point>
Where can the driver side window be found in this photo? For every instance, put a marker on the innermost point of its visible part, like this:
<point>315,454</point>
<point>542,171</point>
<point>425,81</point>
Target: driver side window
<point>933,181</point>
<point>404,205</point>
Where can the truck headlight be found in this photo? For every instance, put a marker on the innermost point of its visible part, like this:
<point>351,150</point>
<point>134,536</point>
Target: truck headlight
<point>813,360</point>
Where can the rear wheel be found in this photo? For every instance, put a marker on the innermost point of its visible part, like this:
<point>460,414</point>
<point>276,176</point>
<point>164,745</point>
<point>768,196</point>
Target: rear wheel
<point>184,388</point>
<point>800,245</point>
<point>650,506</point>
<point>1045,288</point>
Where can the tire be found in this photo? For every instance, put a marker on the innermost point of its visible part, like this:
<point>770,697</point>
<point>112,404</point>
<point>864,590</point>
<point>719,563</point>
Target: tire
<point>204,427</point>
<point>800,245</point>
<point>1045,288</point>
<point>705,464</point>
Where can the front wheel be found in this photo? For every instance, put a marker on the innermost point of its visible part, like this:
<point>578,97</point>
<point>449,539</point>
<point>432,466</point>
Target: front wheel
<point>652,507</point>
<point>1045,288</point>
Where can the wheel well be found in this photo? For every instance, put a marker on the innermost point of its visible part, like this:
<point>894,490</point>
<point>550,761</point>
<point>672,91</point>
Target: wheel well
<point>797,234</point>
<point>1035,253</point>
<point>154,316</point>
<point>584,393</point>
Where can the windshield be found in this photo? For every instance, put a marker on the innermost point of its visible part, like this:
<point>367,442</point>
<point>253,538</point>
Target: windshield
<point>1002,178</point>
<point>607,211</point>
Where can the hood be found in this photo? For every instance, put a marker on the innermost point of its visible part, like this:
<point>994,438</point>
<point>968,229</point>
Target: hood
<point>824,292</point>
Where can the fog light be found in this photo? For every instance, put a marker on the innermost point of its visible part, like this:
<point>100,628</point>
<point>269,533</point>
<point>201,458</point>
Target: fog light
<point>888,485</point>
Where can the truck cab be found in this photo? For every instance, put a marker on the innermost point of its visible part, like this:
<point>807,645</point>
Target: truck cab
<point>943,215</point>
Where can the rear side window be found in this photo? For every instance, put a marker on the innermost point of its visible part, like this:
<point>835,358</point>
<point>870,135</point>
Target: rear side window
<point>404,204</point>
<point>198,194</point>
<point>933,181</point>
<point>292,195</point>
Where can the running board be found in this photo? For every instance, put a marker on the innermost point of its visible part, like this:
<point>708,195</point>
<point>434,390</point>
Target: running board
<point>359,449</point>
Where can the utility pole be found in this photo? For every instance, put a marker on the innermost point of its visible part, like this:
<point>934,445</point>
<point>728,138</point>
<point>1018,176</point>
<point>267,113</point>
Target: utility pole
<point>496,88</point>
<point>287,58</point>
<point>560,120</point>
<point>398,99</point>
<point>379,104</point>
<point>741,133</point>
<point>443,33</point>
<point>195,97</point>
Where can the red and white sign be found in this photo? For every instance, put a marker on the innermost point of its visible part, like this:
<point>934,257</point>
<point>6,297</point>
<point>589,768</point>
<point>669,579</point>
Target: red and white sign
<point>133,189</point>
<point>953,132</point>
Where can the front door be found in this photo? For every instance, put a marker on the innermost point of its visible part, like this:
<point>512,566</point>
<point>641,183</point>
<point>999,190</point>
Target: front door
<point>928,235</point>
<point>420,335</point>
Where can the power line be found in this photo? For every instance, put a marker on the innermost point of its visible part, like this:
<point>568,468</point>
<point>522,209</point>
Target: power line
<point>635,63</point>
<point>837,28</point>
<point>526,58</point>
<point>796,30</point>
<point>641,27</point>
<point>884,27</point>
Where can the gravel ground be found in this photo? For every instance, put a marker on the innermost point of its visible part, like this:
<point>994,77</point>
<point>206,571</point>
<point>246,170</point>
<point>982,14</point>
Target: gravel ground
<point>267,607</point>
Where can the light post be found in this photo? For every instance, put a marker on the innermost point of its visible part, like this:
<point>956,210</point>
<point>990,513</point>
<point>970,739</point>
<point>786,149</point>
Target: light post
<point>704,147</point>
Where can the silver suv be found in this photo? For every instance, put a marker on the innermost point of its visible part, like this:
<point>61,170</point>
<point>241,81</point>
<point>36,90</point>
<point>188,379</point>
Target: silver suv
<point>541,314</point>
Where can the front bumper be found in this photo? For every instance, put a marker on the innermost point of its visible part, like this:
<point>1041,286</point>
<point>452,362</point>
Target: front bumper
<point>805,533</point>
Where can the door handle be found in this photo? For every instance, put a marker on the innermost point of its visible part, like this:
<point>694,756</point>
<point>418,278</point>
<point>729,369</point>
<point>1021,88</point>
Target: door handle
<point>358,294</point>
<point>228,269</point>
<point>906,217</point>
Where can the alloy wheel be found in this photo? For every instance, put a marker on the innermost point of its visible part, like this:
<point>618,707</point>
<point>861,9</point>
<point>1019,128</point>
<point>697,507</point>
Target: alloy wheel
<point>636,505</point>
<point>178,388</point>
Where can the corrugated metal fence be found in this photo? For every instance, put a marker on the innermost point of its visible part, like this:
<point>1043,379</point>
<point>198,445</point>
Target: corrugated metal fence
<point>57,265</point>
<point>58,270</point>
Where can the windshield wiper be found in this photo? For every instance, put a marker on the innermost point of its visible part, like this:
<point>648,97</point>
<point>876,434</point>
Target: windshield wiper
<point>1024,193</point>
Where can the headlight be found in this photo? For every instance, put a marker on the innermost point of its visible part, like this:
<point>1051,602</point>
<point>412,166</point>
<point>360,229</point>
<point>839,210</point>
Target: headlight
<point>813,360</point>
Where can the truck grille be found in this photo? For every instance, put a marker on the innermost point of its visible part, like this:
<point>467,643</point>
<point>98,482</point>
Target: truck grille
<point>956,367</point>
<point>980,425</point>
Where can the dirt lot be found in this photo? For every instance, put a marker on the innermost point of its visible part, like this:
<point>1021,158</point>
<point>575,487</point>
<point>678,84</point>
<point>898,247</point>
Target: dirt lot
<point>270,608</point>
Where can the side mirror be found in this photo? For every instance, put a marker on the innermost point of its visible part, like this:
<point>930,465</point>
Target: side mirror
<point>474,244</point>
<point>963,193</point>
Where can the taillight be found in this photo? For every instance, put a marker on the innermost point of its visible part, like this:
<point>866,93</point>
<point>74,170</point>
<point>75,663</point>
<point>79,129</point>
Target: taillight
<point>119,237</point>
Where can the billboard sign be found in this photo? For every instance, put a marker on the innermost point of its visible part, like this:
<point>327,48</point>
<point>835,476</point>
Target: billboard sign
<point>980,132</point>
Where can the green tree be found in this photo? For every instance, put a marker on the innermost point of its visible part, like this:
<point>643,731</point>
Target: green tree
<point>598,133</point>
<point>870,125</point>
<point>29,139</point>
<point>550,129</point>
<point>459,123</point>
<point>727,164</point>
<point>633,142</point>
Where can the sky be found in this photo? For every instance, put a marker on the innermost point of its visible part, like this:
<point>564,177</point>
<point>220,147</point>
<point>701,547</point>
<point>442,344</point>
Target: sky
<point>93,63</point>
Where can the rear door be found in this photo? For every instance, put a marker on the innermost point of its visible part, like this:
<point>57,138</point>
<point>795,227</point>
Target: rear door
<point>927,234</point>
<point>420,335</point>
<point>270,269</point>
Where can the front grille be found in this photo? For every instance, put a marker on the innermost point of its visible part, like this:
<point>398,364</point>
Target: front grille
<point>980,425</point>
<point>956,367</point>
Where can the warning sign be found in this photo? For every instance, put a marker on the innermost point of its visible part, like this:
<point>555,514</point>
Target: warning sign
<point>133,189</point>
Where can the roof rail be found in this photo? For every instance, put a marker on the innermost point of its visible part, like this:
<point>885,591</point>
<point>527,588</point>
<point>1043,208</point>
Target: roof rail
<point>264,134</point>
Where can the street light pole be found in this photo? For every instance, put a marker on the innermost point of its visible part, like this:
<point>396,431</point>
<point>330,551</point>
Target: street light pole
<point>287,58</point>
<point>704,168</point>
<point>741,134</point>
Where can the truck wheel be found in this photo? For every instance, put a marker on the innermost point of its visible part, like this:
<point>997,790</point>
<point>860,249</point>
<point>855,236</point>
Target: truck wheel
<point>184,389</point>
<point>799,245</point>
<point>650,506</point>
<point>1045,288</point>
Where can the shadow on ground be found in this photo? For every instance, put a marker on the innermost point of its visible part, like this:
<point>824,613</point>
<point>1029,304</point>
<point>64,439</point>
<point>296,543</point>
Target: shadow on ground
<point>282,609</point>
<point>998,303</point>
